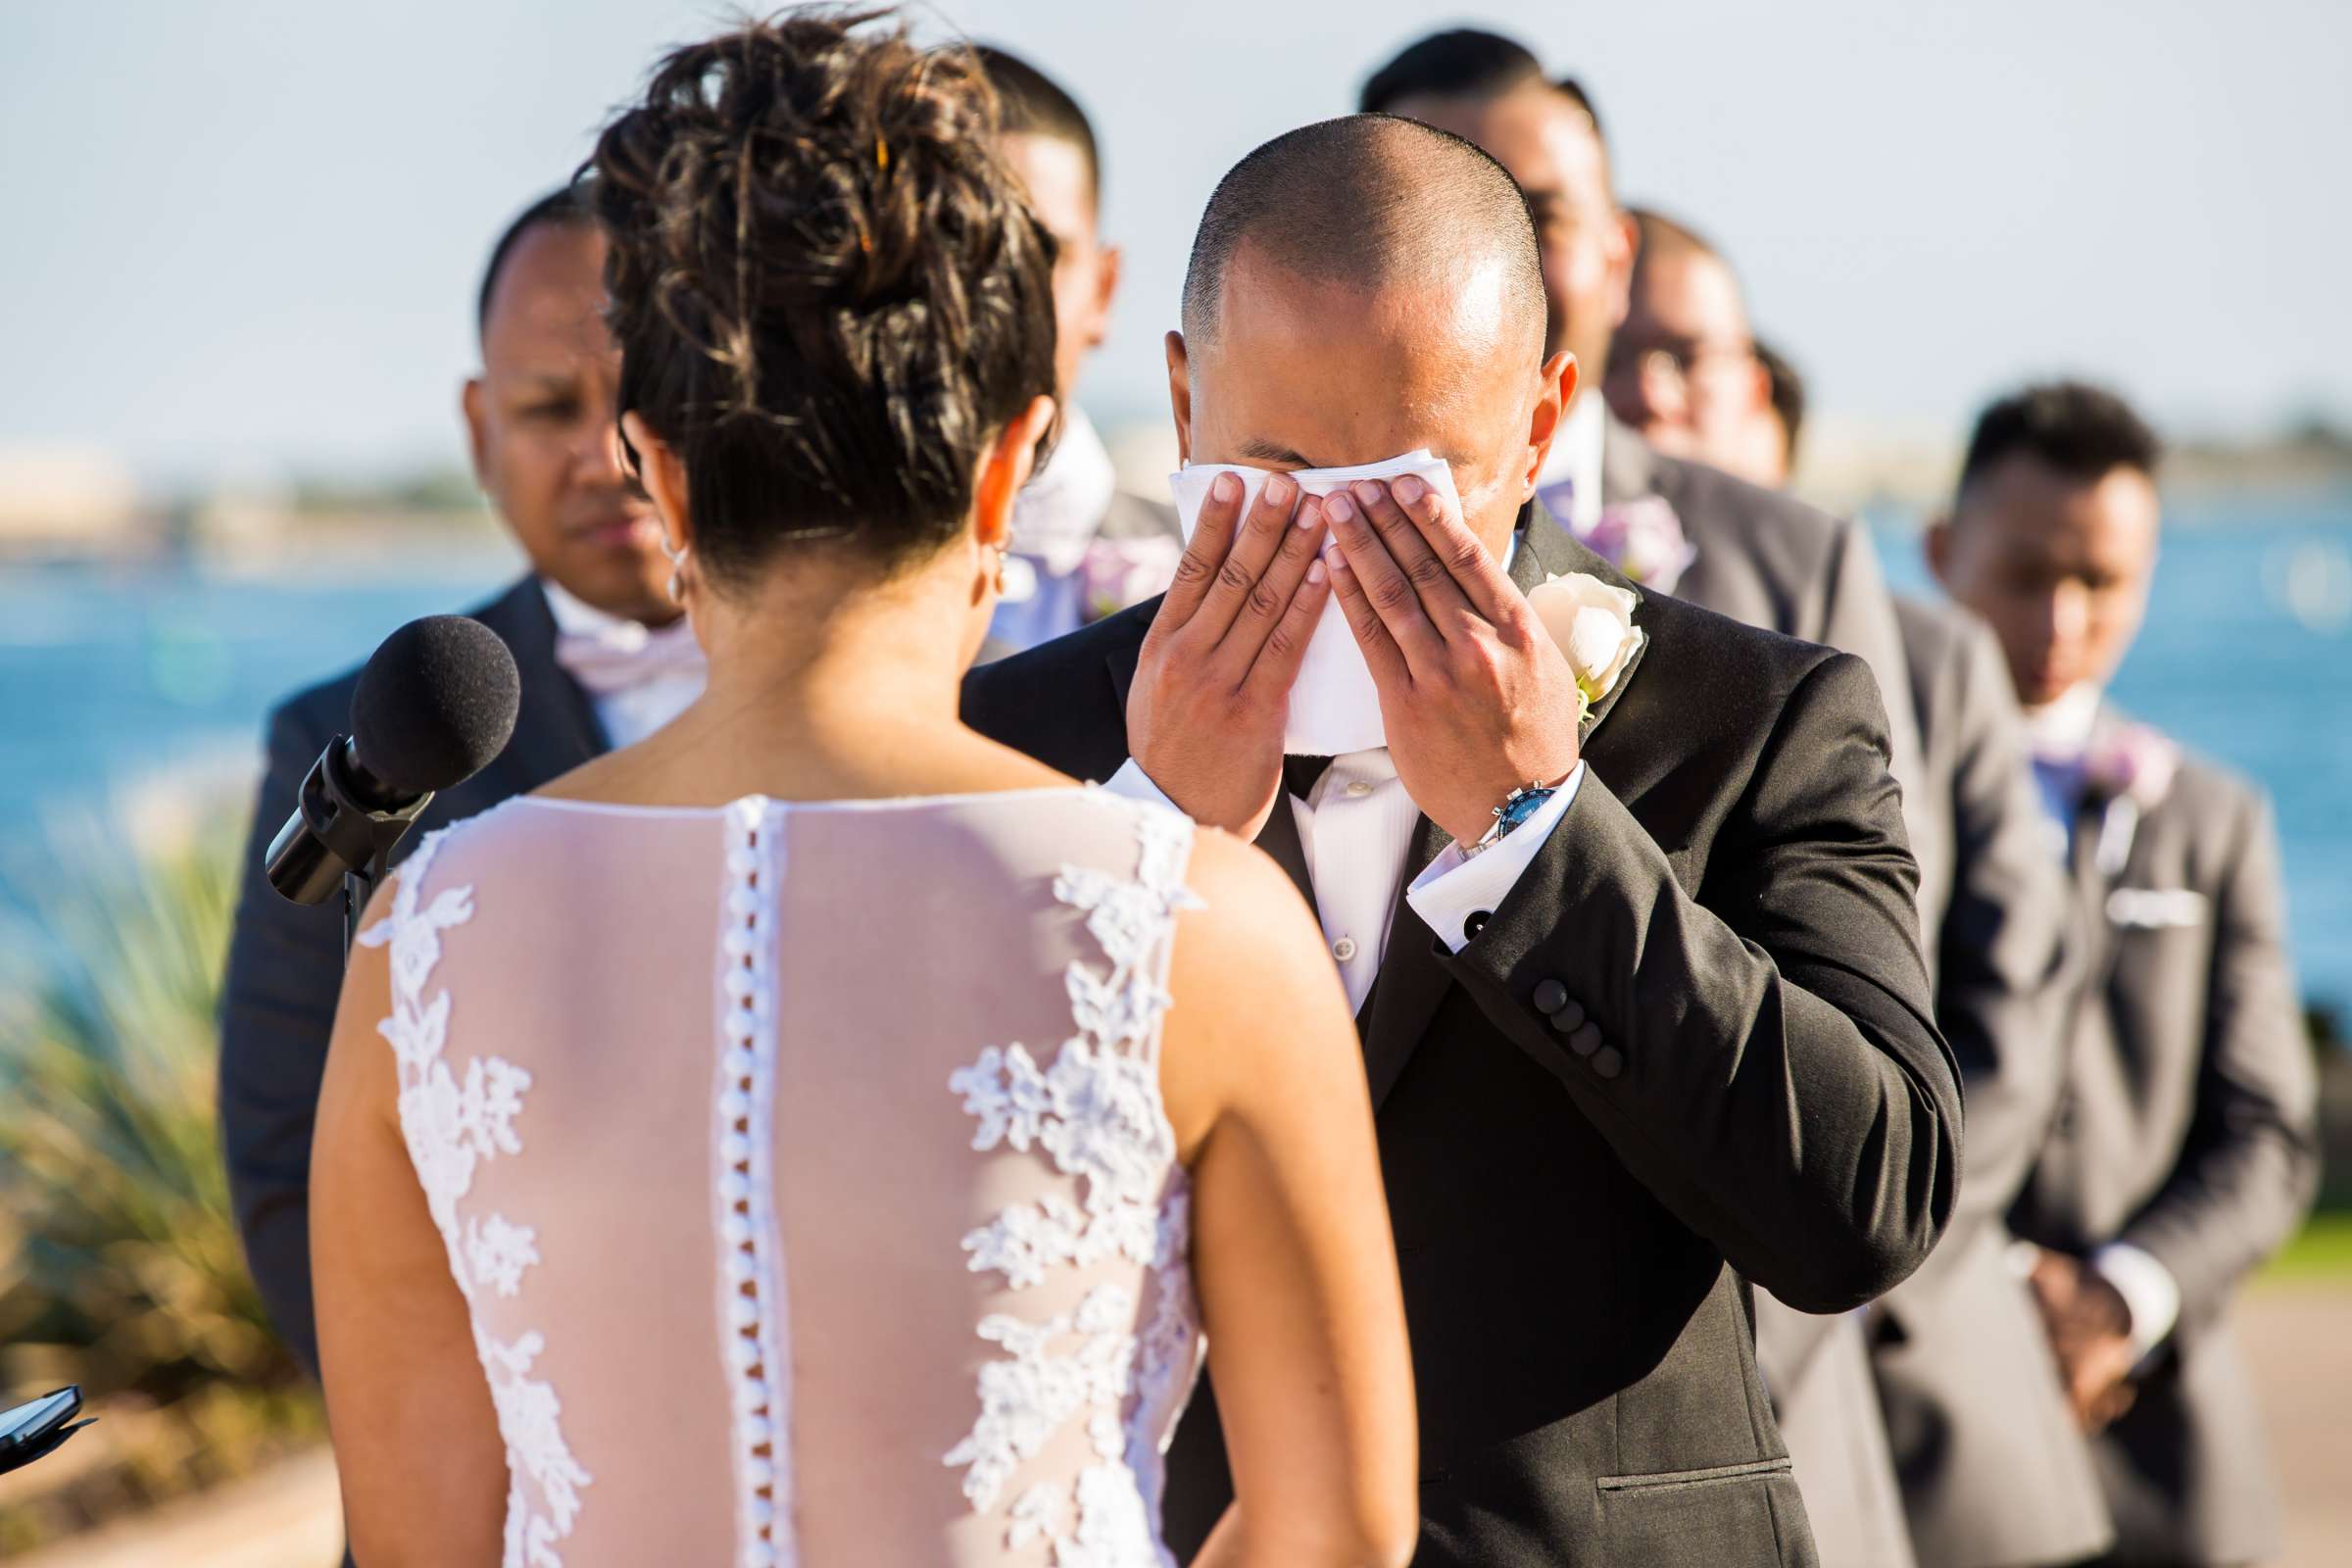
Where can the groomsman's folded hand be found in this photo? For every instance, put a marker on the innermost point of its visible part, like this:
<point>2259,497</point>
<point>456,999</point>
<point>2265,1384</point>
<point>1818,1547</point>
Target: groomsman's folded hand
<point>2089,1325</point>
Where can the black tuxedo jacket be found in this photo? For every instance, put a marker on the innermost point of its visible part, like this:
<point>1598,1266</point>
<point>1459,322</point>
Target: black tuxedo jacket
<point>285,962</point>
<point>1729,900</point>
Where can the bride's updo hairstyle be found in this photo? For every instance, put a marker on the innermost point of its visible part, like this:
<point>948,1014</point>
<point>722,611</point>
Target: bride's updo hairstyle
<point>830,296</point>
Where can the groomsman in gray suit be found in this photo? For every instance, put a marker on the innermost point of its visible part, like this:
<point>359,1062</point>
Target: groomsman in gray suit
<point>1670,523</point>
<point>1082,547</point>
<point>1992,1468</point>
<point>2182,1149</point>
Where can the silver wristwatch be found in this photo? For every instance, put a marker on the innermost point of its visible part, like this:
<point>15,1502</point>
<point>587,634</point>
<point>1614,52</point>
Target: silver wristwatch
<point>1524,803</point>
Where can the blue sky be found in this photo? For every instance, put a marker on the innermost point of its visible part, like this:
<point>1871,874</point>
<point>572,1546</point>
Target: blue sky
<point>244,238</point>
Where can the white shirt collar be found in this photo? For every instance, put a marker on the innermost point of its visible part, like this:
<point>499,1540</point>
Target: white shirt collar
<point>2060,729</point>
<point>575,617</point>
<point>1576,455</point>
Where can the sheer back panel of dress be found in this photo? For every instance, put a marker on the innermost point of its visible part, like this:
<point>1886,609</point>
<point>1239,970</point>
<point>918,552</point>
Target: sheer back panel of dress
<point>978,1350</point>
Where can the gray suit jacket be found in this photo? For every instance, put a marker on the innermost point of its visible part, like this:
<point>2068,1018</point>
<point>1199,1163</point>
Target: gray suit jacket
<point>1817,1370</point>
<point>2186,1128</point>
<point>1771,560</point>
<point>1133,517</point>
<point>1992,1468</point>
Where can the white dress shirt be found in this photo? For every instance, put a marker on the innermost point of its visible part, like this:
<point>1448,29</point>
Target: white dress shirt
<point>1575,456</point>
<point>633,710</point>
<point>2059,735</point>
<point>1356,827</point>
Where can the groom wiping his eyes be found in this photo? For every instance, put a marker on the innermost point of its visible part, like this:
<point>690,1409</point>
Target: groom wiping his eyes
<point>1638,977</point>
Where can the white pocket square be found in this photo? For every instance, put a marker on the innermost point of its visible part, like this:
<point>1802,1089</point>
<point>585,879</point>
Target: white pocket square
<point>2156,907</point>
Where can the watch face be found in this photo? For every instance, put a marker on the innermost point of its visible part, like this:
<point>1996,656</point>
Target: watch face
<point>1524,805</point>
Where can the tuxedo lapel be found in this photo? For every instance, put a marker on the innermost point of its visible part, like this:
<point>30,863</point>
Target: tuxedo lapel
<point>556,727</point>
<point>1547,550</point>
<point>2091,881</point>
<point>1412,981</point>
<point>1279,838</point>
<point>2091,887</point>
<point>1124,655</point>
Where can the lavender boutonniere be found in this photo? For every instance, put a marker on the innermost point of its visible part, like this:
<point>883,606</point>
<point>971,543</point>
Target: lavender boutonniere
<point>1643,539</point>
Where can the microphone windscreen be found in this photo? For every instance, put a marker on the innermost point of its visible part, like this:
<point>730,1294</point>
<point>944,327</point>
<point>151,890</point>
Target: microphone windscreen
<point>435,704</point>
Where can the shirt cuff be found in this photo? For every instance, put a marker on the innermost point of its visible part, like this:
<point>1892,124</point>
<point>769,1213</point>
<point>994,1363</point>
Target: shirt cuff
<point>2147,1288</point>
<point>1131,783</point>
<point>1457,886</point>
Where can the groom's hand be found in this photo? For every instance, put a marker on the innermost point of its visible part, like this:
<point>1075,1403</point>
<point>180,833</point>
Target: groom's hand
<point>1204,717</point>
<point>1477,698</point>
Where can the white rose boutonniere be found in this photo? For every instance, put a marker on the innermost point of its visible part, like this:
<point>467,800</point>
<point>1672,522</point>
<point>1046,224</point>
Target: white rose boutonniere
<point>1594,625</point>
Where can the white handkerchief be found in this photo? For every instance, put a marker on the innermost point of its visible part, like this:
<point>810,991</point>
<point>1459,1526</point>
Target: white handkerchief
<point>1334,706</point>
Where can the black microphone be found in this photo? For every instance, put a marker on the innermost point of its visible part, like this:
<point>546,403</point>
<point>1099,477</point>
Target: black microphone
<point>435,704</point>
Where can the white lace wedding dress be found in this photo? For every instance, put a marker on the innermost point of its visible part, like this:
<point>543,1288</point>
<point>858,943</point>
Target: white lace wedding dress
<point>804,1170</point>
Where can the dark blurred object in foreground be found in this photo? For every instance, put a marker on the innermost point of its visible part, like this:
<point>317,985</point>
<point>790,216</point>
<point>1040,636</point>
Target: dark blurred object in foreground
<point>39,1427</point>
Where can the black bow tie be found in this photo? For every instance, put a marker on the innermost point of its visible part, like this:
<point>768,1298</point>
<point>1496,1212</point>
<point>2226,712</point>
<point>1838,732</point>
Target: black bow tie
<point>1300,773</point>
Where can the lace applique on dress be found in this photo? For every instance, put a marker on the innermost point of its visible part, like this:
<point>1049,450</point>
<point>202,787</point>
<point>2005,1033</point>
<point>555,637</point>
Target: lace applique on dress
<point>750,1282</point>
<point>450,1125</point>
<point>1095,1112</point>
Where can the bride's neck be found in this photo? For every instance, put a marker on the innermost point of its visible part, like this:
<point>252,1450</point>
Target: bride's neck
<point>818,648</point>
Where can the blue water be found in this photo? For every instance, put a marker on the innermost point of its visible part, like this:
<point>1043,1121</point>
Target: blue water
<point>114,676</point>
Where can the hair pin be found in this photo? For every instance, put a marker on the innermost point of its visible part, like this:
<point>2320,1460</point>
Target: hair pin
<point>881,153</point>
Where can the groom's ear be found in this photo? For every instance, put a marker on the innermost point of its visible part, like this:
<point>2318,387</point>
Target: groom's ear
<point>1180,395</point>
<point>1554,389</point>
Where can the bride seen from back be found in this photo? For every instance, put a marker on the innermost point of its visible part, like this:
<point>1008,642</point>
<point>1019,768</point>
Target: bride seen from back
<point>816,1134</point>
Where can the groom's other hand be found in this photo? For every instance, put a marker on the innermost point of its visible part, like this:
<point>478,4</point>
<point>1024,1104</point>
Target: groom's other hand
<point>1212,687</point>
<point>1477,698</point>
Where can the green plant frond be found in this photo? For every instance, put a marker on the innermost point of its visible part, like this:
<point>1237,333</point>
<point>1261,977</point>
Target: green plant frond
<point>115,1214</point>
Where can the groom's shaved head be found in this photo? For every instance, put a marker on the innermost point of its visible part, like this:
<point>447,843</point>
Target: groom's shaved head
<point>1366,287</point>
<point>1371,203</point>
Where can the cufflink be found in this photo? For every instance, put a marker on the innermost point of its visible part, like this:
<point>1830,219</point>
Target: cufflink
<point>1474,923</point>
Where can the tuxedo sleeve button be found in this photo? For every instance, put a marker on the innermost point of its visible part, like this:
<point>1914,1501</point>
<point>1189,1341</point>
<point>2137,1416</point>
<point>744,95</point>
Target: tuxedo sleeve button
<point>1571,1016</point>
<point>1585,1038</point>
<point>1608,1061</point>
<point>1550,997</point>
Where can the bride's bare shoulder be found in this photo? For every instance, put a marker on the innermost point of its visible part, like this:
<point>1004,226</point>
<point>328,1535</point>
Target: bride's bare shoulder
<point>1257,998</point>
<point>1240,888</point>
